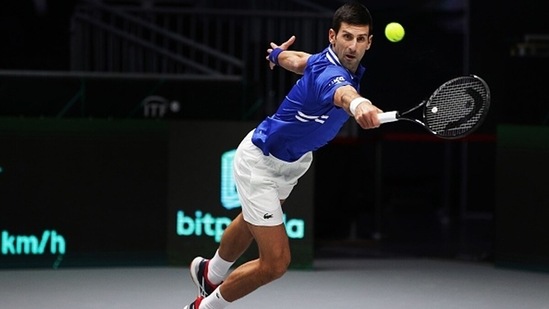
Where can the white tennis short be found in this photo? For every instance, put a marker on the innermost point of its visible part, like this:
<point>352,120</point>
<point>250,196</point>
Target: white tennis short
<point>262,181</point>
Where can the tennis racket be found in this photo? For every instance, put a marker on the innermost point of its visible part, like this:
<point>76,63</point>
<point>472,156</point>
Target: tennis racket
<point>457,108</point>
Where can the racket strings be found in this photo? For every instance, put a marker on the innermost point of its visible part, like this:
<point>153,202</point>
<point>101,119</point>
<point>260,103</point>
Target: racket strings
<point>457,107</point>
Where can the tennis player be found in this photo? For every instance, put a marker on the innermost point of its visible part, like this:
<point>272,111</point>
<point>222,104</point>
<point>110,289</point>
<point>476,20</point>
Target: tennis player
<point>272,157</point>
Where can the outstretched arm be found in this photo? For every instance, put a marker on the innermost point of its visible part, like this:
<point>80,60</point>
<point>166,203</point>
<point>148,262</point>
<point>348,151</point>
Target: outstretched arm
<point>294,61</point>
<point>364,112</point>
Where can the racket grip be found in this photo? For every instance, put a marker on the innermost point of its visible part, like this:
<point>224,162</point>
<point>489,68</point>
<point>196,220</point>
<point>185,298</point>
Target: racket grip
<point>387,117</point>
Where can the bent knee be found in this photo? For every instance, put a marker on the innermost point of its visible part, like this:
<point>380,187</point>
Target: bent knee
<point>280,268</point>
<point>274,270</point>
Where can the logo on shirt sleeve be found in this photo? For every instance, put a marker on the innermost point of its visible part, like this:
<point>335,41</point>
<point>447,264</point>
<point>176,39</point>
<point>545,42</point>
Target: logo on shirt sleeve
<point>337,80</point>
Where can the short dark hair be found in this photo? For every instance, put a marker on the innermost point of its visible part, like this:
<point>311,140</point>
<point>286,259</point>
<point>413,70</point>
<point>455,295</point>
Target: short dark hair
<point>352,13</point>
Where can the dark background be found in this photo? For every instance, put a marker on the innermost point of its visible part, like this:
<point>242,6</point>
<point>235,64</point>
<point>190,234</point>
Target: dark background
<point>392,191</point>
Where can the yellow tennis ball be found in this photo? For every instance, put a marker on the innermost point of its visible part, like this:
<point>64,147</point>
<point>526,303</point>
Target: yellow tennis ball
<point>394,32</point>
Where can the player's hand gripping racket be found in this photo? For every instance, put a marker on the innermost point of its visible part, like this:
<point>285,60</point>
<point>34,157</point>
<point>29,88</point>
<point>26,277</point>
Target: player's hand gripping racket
<point>454,110</point>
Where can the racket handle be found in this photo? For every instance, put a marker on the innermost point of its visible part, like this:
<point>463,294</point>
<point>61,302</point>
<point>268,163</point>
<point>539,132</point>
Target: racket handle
<point>387,117</point>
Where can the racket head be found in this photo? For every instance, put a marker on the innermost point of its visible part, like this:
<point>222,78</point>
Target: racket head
<point>458,107</point>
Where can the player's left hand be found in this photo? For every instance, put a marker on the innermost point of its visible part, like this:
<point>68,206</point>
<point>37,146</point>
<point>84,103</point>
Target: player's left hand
<point>283,46</point>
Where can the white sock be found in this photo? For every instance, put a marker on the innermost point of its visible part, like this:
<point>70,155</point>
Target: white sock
<point>218,269</point>
<point>214,301</point>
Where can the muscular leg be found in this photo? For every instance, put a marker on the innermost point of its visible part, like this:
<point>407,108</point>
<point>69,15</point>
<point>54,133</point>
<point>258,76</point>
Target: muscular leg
<point>235,240</point>
<point>273,261</point>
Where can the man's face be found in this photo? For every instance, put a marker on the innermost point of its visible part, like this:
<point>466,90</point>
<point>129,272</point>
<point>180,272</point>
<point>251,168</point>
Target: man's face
<point>350,44</point>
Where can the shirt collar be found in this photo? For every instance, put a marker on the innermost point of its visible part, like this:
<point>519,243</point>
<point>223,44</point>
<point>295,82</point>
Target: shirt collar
<point>332,57</point>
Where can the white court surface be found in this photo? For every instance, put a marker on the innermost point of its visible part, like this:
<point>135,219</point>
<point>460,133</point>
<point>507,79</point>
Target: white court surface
<point>333,283</point>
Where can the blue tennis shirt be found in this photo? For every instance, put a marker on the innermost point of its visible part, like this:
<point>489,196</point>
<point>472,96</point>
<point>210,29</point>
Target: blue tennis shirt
<point>307,118</point>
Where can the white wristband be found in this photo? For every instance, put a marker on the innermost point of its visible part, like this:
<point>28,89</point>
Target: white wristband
<point>355,102</point>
